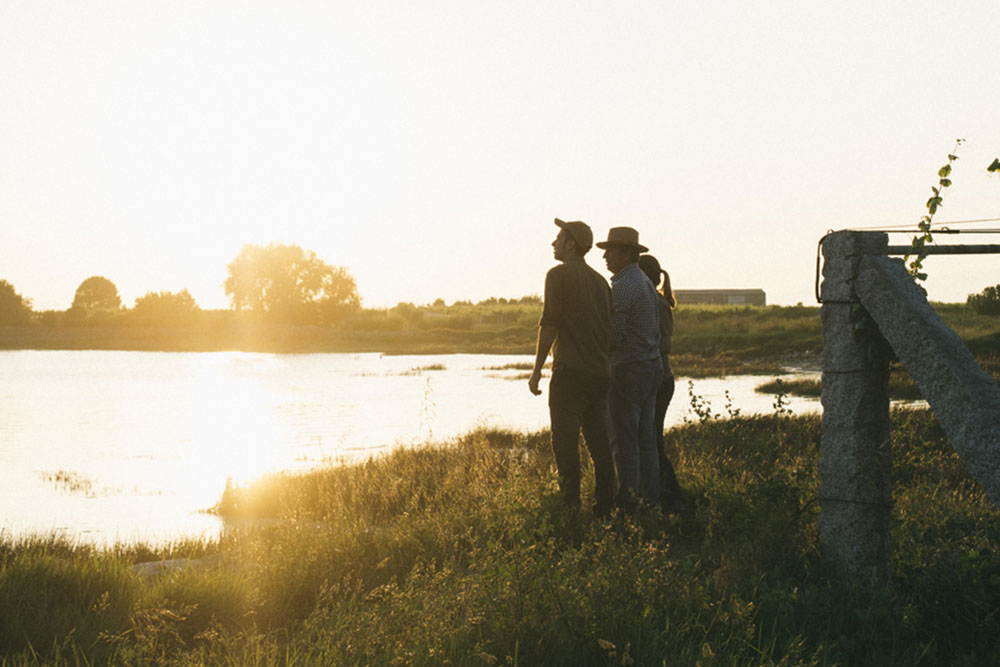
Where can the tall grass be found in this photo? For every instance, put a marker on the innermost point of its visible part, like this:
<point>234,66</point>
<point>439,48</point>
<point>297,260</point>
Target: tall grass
<point>461,553</point>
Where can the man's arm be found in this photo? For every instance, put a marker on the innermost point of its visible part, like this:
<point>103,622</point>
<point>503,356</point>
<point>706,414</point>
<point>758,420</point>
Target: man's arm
<point>546,336</point>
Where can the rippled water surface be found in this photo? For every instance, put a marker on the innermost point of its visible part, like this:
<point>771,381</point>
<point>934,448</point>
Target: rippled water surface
<point>122,446</point>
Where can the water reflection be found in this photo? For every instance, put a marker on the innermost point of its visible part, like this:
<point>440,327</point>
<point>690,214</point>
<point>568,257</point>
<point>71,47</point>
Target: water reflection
<point>123,446</point>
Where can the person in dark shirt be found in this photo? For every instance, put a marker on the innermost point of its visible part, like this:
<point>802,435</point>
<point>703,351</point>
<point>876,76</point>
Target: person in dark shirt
<point>575,325</point>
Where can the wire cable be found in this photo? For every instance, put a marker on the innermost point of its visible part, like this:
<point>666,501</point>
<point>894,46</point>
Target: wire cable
<point>887,228</point>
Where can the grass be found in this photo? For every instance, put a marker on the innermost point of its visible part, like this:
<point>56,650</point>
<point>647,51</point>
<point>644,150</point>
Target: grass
<point>709,340</point>
<point>901,385</point>
<point>420,370</point>
<point>460,553</point>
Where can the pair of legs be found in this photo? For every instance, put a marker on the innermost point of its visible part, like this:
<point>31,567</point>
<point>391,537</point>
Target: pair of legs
<point>578,401</point>
<point>670,490</point>
<point>632,404</point>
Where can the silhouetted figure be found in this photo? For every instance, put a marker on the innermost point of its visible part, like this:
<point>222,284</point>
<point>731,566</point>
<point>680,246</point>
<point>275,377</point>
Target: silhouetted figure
<point>670,491</point>
<point>576,320</point>
<point>635,371</point>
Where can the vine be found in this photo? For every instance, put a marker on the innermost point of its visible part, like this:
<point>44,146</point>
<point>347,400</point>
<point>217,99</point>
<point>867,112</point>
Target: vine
<point>918,249</point>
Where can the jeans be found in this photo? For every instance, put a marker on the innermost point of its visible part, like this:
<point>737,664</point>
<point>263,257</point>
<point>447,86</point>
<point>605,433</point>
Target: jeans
<point>580,401</point>
<point>670,490</point>
<point>633,416</point>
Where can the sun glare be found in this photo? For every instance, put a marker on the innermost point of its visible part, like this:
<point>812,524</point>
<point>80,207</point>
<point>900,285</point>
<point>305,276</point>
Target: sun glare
<point>236,435</point>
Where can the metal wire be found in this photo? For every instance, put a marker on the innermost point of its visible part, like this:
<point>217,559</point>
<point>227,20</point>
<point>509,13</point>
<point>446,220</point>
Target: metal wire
<point>895,230</point>
<point>898,228</point>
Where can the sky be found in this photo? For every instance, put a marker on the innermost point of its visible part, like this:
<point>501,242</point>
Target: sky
<point>426,146</point>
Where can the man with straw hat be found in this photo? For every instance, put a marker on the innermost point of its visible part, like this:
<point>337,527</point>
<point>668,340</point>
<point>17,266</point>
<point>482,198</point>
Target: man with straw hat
<point>576,321</point>
<point>635,371</point>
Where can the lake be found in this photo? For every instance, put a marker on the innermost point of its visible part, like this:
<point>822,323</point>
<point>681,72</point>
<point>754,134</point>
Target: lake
<point>105,447</point>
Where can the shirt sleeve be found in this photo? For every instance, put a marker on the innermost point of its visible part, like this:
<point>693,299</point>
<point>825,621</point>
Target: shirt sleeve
<point>620,306</point>
<point>552,310</point>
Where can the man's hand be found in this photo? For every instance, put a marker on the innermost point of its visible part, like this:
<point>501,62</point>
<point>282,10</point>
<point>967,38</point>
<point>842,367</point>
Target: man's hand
<point>536,376</point>
<point>546,336</point>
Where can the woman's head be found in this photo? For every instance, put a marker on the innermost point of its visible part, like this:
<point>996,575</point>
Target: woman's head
<point>651,267</point>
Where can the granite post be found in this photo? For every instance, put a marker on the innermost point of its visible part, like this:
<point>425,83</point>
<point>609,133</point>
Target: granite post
<point>856,460</point>
<point>965,400</point>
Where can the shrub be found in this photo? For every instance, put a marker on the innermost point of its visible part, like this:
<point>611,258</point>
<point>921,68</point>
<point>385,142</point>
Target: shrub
<point>14,309</point>
<point>986,302</point>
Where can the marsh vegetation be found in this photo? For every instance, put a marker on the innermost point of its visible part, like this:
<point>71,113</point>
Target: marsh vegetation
<point>710,340</point>
<point>460,553</point>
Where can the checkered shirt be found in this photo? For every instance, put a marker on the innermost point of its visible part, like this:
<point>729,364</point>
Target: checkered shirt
<point>635,322</point>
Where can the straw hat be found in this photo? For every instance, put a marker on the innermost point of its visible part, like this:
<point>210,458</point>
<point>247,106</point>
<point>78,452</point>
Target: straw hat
<point>625,236</point>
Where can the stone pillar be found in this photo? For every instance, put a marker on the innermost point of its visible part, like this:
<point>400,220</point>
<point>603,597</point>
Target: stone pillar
<point>856,461</point>
<point>965,400</point>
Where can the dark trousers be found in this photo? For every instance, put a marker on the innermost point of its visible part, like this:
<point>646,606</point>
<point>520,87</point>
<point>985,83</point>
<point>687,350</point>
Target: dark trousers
<point>578,401</point>
<point>633,416</point>
<point>669,488</point>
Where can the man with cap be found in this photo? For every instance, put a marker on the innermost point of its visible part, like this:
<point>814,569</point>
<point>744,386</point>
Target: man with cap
<point>635,371</point>
<point>576,320</point>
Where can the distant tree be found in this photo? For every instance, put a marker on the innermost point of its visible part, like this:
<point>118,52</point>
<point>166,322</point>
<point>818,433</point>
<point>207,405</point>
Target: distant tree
<point>986,302</point>
<point>289,284</point>
<point>96,294</point>
<point>166,306</point>
<point>14,309</point>
<point>408,311</point>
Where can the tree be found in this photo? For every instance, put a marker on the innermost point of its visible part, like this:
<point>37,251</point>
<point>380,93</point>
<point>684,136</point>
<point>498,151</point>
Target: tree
<point>986,302</point>
<point>14,309</point>
<point>166,307</point>
<point>96,294</point>
<point>289,284</point>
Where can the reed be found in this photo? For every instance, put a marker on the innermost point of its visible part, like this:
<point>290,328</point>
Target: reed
<point>461,553</point>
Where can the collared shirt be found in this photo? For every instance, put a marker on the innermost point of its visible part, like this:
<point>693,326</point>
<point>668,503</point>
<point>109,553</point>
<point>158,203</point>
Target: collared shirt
<point>578,305</point>
<point>635,323</point>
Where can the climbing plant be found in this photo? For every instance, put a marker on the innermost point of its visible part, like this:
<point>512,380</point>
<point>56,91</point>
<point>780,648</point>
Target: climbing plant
<point>918,249</point>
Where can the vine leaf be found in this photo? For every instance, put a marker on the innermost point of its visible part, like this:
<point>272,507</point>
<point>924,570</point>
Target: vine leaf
<point>918,248</point>
<point>995,167</point>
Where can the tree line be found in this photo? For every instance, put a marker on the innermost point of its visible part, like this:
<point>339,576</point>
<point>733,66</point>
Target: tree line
<point>277,283</point>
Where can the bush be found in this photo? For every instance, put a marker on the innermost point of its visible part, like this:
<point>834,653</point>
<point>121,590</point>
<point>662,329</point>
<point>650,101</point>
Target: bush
<point>165,307</point>
<point>14,309</point>
<point>986,302</point>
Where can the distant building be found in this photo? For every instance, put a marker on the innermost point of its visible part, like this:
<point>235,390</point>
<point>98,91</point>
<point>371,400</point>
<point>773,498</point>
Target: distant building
<point>724,297</point>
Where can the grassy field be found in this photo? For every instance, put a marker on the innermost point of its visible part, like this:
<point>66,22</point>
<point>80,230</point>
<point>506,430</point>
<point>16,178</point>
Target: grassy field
<point>709,340</point>
<point>459,553</point>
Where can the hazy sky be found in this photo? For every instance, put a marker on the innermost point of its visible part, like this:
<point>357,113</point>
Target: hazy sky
<point>426,146</point>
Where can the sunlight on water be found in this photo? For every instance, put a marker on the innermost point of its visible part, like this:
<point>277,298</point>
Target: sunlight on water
<point>122,446</point>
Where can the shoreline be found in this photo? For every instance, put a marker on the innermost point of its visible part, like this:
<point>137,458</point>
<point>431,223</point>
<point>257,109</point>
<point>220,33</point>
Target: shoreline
<point>715,361</point>
<point>465,554</point>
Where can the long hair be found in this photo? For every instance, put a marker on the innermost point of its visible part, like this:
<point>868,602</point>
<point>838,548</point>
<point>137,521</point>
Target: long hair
<point>651,267</point>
